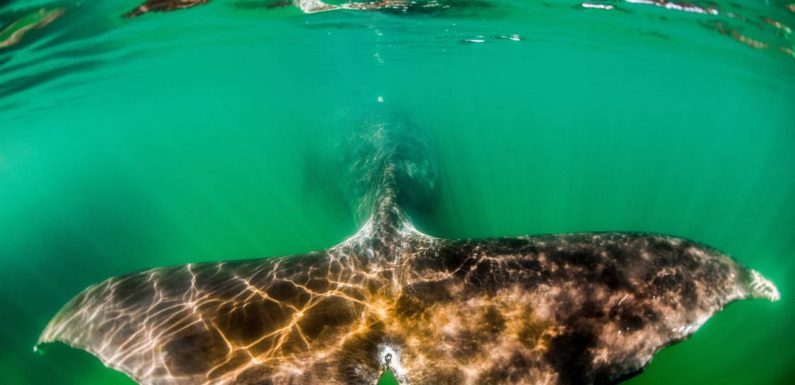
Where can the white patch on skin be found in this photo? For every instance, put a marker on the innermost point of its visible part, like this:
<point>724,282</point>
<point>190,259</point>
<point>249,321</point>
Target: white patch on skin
<point>394,363</point>
<point>605,7</point>
<point>761,287</point>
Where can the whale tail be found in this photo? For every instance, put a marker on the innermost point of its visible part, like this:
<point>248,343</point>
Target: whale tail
<point>558,309</point>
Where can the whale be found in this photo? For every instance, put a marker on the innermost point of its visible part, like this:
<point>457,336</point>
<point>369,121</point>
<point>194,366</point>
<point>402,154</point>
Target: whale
<point>557,309</point>
<point>307,6</point>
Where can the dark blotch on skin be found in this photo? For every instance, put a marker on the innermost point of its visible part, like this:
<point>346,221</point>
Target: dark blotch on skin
<point>569,355</point>
<point>493,320</point>
<point>630,319</point>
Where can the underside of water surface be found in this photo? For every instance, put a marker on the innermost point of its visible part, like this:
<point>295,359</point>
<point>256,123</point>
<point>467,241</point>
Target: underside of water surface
<point>225,130</point>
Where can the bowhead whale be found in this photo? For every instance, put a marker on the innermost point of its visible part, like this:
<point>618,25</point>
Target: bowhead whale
<point>307,6</point>
<point>559,309</point>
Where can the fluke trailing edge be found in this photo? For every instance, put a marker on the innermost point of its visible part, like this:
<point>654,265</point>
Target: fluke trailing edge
<point>587,308</point>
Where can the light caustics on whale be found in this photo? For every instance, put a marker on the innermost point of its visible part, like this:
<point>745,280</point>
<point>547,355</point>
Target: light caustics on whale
<point>584,308</point>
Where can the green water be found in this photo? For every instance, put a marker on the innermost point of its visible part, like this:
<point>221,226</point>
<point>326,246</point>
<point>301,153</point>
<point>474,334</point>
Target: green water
<point>202,135</point>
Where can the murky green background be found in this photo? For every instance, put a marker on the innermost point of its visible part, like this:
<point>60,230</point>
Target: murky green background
<point>202,135</point>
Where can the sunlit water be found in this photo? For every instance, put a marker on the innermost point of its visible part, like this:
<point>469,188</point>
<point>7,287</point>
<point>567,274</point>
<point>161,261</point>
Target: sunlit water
<point>203,135</point>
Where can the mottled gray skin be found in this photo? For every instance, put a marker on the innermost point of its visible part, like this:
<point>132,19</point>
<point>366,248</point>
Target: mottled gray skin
<point>590,308</point>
